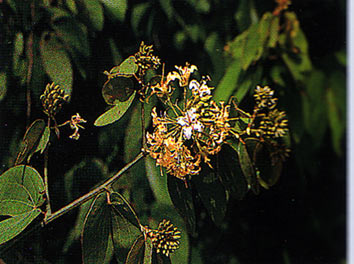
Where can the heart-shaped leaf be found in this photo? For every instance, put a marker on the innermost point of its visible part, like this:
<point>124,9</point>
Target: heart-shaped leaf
<point>115,113</point>
<point>21,195</point>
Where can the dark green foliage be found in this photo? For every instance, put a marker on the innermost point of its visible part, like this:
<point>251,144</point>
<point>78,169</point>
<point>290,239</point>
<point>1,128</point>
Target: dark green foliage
<point>298,215</point>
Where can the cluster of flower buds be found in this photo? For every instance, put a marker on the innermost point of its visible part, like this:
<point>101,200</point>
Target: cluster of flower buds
<point>165,239</point>
<point>53,99</point>
<point>145,59</point>
<point>267,120</point>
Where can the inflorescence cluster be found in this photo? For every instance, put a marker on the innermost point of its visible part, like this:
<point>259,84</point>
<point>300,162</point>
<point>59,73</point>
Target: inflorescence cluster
<point>191,130</point>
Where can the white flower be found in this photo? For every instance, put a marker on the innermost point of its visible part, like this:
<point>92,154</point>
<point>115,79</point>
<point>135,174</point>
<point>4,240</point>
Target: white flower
<point>190,123</point>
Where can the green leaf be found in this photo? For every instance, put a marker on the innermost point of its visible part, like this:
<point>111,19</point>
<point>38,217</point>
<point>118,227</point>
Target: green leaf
<point>72,6</point>
<point>148,251</point>
<point>335,123</point>
<point>43,142</point>
<point>127,67</point>
<point>13,226</point>
<point>230,172</point>
<point>136,252</point>
<point>242,15</point>
<point>164,211</point>
<point>21,195</point>
<point>121,207</point>
<point>115,113</point>
<point>96,231</point>
<point>158,182</point>
<point>263,32</point>
<point>246,166</point>
<point>116,8</point>
<point>94,13</point>
<point>76,232</point>
<point>273,32</point>
<point>252,46</point>
<point>18,63</point>
<point>182,199</point>
<point>31,141</point>
<point>57,63</point>
<point>117,90</point>
<point>249,81</point>
<point>212,193</point>
<point>21,190</point>
<point>125,225</point>
<point>228,83</point>
<point>73,35</point>
<point>58,13</point>
<point>138,13</point>
<point>3,85</point>
<point>167,7</point>
<point>267,172</point>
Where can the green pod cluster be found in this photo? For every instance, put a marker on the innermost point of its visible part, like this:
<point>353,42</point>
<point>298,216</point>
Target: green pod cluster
<point>53,99</point>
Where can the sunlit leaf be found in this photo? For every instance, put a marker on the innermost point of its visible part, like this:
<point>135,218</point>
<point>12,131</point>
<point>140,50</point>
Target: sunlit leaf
<point>21,190</point>
<point>248,82</point>
<point>21,195</point>
<point>228,83</point>
<point>57,63</point>
<point>263,32</point>
<point>252,45</point>
<point>13,226</point>
<point>31,140</point>
<point>96,231</point>
<point>115,113</point>
<point>273,32</point>
<point>182,199</point>
<point>158,182</point>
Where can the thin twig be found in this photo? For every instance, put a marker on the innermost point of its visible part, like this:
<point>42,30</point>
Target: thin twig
<point>92,193</point>
<point>46,185</point>
<point>143,142</point>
